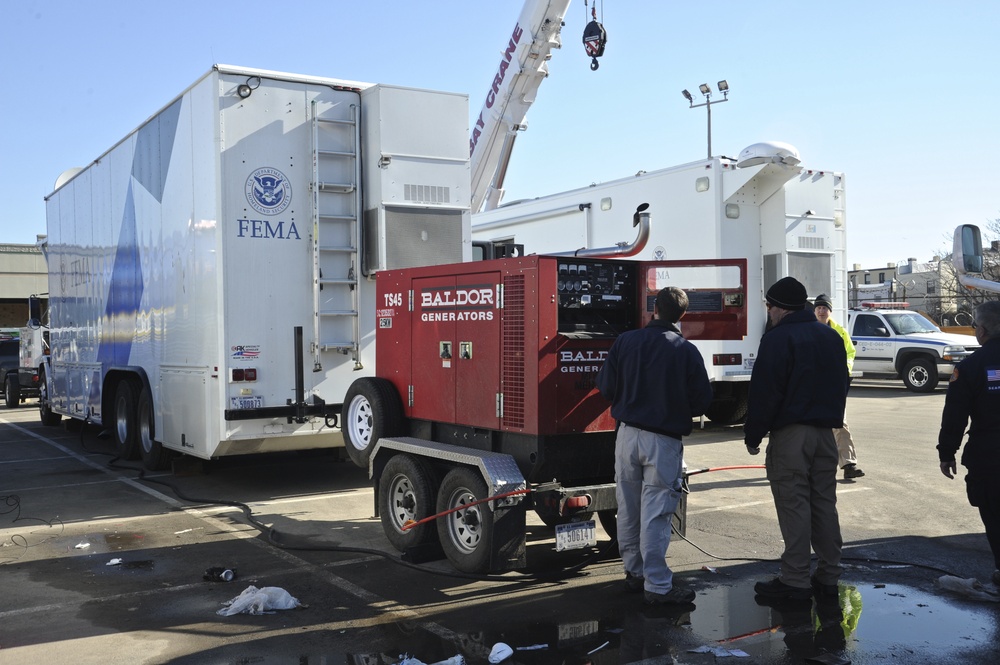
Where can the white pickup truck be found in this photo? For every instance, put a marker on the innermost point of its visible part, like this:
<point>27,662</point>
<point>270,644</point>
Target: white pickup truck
<point>904,343</point>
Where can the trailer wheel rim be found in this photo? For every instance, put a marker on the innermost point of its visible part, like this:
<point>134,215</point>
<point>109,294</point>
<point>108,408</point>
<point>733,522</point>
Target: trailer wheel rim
<point>145,430</point>
<point>465,528</point>
<point>361,418</point>
<point>402,501</point>
<point>121,418</point>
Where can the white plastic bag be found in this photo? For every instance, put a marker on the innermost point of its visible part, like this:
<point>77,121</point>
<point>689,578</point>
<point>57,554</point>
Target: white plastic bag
<point>970,588</point>
<point>260,601</point>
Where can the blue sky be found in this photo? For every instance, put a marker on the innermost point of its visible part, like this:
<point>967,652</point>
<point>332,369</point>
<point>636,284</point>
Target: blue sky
<point>900,96</point>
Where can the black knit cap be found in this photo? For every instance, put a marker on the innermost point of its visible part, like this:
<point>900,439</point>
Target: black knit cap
<point>823,300</point>
<point>787,293</point>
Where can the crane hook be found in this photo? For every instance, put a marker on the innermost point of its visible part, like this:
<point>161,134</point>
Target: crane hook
<point>594,39</point>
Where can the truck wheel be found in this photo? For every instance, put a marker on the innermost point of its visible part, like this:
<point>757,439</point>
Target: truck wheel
<point>467,534</point>
<point>371,410</point>
<point>125,429</point>
<point>406,494</point>
<point>48,417</point>
<point>154,456</point>
<point>12,392</point>
<point>729,403</point>
<point>920,375</point>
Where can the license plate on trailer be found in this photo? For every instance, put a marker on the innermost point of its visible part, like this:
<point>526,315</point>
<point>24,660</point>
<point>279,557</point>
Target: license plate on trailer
<point>575,535</point>
<point>255,402</point>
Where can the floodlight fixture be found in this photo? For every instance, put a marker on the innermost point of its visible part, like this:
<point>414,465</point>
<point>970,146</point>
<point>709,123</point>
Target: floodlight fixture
<point>705,90</point>
<point>687,96</point>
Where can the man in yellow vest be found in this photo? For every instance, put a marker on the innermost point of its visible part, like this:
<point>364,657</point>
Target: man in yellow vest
<point>845,443</point>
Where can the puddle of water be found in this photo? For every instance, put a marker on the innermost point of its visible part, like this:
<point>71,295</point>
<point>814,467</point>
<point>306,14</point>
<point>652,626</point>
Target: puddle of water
<point>123,541</point>
<point>865,624</point>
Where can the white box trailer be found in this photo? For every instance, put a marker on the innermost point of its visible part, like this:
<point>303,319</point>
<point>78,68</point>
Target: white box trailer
<point>211,276</point>
<point>729,228</point>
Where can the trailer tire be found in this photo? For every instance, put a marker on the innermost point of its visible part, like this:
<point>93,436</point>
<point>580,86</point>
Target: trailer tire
<point>125,430</point>
<point>406,493</point>
<point>371,411</point>
<point>12,391</point>
<point>48,417</point>
<point>154,456</point>
<point>920,375</point>
<point>466,535</point>
<point>729,403</point>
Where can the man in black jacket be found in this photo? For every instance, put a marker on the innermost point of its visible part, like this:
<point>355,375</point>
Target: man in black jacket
<point>656,383</point>
<point>974,392</point>
<point>798,391</point>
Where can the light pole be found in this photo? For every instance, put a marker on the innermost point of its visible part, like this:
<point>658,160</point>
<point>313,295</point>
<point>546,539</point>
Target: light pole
<point>707,91</point>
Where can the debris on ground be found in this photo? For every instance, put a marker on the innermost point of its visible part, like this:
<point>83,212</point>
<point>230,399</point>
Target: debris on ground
<point>457,659</point>
<point>970,588</point>
<point>720,652</point>
<point>114,562</point>
<point>260,601</point>
<point>500,652</point>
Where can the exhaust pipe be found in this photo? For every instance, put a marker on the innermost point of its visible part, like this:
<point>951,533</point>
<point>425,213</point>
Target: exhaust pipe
<point>622,249</point>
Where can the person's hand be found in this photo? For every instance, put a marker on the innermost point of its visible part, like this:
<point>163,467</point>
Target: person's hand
<point>948,469</point>
<point>753,450</point>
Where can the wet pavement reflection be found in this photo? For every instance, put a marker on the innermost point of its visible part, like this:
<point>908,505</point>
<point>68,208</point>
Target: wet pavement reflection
<point>867,622</point>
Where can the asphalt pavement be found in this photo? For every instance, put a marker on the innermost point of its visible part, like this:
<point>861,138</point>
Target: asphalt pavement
<point>104,564</point>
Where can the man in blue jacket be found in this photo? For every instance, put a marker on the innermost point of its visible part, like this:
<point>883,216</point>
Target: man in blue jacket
<point>798,391</point>
<point>656,383</point>
<point>974,393</point>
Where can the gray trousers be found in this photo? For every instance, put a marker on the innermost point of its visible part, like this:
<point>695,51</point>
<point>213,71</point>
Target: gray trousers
<point>648,472</point>
<point>802,469</point>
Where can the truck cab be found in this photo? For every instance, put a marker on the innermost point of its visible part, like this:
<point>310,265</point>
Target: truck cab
<point>892,340</point>
<point>8,366</point>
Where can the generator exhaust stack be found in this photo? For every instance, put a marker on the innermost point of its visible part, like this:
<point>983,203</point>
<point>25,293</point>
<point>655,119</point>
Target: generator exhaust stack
<point>622,249</point>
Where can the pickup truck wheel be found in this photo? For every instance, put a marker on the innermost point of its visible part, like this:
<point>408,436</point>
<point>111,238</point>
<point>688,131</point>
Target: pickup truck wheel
<point>920,375</point>
<point>406,494</point>
<point>371,410</point>
<point>48,417</point>
<point>467,534</point>
<point>125,428</point>
<point>12,392</point>
<point>154,456</point>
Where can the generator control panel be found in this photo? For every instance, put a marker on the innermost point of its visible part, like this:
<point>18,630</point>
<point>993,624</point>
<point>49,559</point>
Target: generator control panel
<point>597,298</point>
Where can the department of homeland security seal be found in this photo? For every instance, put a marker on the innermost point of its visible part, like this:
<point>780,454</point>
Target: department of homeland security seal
<point>268,191</point>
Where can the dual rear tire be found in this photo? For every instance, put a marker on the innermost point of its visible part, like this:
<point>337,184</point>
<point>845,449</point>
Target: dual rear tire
<point>409,492</point>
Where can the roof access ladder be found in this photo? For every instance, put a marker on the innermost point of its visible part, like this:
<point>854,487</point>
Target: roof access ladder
<point>336,193</point>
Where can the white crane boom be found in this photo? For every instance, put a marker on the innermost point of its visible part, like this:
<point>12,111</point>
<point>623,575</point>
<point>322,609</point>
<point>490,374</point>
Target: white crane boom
<point>523,65</point>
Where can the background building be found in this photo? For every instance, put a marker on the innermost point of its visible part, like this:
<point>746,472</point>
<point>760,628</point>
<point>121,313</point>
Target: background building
<point>22,273</point>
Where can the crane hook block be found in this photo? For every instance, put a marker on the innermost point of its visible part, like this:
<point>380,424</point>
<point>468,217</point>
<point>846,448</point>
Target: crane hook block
<point>594,40</point>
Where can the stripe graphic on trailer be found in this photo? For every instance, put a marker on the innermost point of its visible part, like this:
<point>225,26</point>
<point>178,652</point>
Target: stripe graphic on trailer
<point>150,163</point>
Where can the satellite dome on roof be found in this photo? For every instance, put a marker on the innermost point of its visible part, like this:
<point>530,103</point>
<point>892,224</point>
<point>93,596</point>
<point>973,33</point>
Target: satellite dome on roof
<point>768,152</point>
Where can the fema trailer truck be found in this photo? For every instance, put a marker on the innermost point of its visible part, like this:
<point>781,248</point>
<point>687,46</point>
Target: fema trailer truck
<point>211,276</point>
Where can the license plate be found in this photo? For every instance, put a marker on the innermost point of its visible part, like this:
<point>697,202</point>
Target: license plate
<point>255,402</point>
<point>575,535</point>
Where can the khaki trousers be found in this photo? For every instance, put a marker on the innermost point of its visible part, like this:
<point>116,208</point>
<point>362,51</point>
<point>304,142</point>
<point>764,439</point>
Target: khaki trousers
<point>801,465</point>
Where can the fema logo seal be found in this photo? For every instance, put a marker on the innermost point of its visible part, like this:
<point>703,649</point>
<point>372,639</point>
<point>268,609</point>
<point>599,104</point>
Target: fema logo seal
<point>268,191</point>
